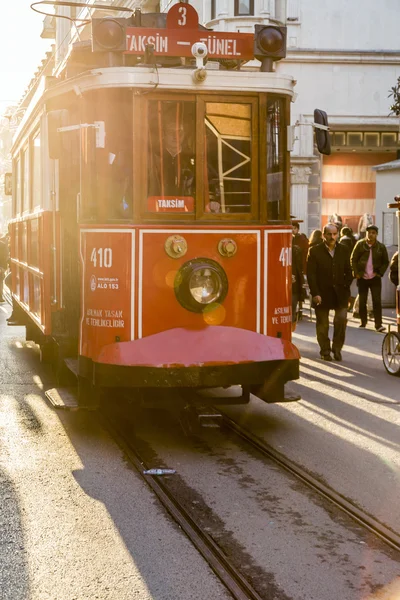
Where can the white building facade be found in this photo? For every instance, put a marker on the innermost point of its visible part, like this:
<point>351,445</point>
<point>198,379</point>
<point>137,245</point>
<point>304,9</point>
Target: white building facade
<point>345,57</point>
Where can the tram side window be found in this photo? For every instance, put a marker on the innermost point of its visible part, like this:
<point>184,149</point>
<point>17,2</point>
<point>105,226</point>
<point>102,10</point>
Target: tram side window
<point>171,154</point>
<point>228,157</point>
<point>275,160</point>
<point>18,187</point>
<point>36,172</point>
<point>25,195</point>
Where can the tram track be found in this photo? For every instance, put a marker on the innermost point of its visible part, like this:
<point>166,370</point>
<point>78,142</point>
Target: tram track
<point>212,547</point>
<point>238,586</point>
<point>388,536</point>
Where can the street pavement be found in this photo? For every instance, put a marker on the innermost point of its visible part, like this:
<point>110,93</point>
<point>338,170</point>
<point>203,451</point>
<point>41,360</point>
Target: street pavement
<point>76,522</point>
<point>346,427</point>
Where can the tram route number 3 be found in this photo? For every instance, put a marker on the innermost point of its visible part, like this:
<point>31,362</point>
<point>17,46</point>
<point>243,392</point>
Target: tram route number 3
<point>182,12</point>
<point>101,257</point>
<point>285,257</point>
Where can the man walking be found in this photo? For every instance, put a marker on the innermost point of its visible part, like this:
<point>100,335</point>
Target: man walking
<point>369,262</point>
<point>329,277</point>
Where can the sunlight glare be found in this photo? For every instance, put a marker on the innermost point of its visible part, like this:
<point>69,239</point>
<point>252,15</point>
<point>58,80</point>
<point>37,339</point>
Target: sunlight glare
<point>37,381</point>
<point>350,386</point>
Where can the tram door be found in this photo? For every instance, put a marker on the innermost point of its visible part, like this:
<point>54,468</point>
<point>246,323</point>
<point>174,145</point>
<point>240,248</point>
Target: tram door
<point>69,189</point>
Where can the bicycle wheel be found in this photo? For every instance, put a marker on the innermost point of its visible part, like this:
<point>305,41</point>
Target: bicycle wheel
<point>391,353</point>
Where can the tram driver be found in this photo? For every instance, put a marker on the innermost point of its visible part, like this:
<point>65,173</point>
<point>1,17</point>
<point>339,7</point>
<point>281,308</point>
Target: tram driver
<point>171,150</point>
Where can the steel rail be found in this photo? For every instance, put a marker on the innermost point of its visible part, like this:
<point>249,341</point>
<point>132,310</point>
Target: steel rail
<point>390,537</point>
<point>233,580</point>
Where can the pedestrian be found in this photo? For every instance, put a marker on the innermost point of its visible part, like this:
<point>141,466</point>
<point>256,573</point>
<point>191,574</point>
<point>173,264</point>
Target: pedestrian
<point>369,261</point>
<point>297,283</point>
<point>394,269</point>
<point>300,240</point>
<point>315,238</point>
<point>365,220</point>
<point>329,277</point>
<point>347,238</point>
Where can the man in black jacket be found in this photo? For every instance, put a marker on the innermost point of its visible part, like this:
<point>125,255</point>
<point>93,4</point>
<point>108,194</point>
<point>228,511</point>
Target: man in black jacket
<point>369,262</point>
<point>394,269</point>
<point>329,277</point>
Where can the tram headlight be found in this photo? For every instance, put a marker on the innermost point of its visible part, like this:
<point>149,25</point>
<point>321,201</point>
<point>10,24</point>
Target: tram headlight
<point>200,283</point>
<point>205,285</point>
<point>270,42</point>
<point>109,35</point>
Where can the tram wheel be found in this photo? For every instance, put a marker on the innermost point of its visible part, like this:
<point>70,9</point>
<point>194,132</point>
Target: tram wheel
<point>391,353</point>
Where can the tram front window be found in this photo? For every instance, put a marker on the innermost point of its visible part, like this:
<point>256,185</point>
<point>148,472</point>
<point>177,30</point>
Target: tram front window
<point>228,157</point>
<point>171,151</point>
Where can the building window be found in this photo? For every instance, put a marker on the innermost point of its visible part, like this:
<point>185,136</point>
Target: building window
<point>244,7</point>
<point>368,139</point>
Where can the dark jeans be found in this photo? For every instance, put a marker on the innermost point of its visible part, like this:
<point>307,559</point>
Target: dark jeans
<point>339,329</point>
<point>375,285</point>
<point>295,301</point>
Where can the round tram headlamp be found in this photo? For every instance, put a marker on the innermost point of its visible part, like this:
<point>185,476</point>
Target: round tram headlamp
<point>205,285</point>
<point>200,283</point>
<point>109,35</point>
<point>270,40</point>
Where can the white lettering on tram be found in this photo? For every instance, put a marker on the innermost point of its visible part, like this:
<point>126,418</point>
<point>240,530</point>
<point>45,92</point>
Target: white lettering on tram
<point>138,43</point>
<point>171,203</point>
<point>218,46</point>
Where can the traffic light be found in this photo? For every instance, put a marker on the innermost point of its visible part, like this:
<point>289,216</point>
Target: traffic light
<point>109,35</point>
<point>322,133</point>
<point>269,44</point>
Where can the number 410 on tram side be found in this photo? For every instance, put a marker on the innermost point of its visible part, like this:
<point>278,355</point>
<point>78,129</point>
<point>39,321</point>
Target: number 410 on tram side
<point>151,237</point>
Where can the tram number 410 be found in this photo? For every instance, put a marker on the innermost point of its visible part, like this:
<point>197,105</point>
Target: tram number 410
<point>285,257</point>
<point>102,257</point>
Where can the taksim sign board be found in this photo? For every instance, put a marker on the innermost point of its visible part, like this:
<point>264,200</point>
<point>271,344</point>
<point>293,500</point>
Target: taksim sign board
<point>182,32</point>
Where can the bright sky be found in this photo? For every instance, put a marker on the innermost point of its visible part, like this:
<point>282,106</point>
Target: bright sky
<point>21,48</point>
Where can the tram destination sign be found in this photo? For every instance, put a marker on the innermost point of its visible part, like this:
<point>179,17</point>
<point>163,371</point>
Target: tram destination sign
<point>182,31</point>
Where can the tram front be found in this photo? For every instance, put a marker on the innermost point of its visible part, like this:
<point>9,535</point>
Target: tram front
<point>183,214</point>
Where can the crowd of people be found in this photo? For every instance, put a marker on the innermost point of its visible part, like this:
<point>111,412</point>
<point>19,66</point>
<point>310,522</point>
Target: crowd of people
<point>328,263</point>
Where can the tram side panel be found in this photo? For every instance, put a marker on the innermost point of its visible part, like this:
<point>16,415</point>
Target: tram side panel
<point>278,283</point>
<point>107,300</point>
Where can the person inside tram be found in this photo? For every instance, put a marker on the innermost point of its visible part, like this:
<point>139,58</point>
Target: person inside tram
<point>171,151</point>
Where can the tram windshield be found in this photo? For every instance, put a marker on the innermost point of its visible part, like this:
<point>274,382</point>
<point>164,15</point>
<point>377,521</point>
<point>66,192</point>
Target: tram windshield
<point>171,151</point>
<point>228,157</point>
<point>207,157</point>
<point>223,141</point>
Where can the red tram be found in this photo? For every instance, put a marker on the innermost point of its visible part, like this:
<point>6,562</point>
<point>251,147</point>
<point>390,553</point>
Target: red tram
<point>151,238</point>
